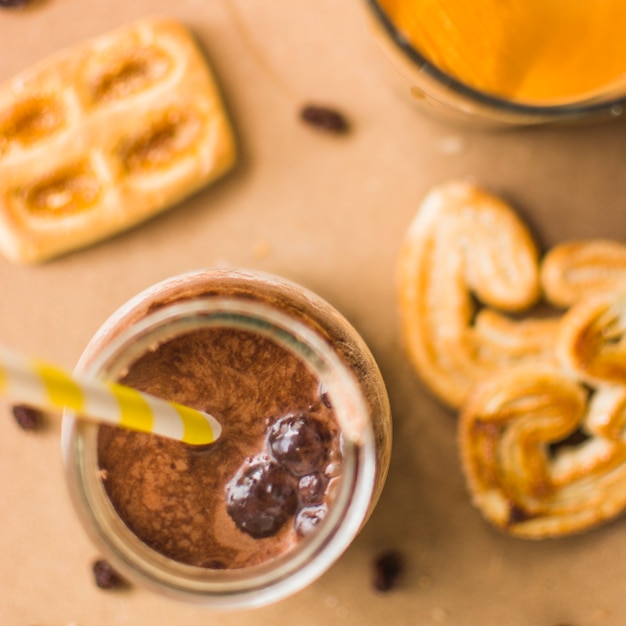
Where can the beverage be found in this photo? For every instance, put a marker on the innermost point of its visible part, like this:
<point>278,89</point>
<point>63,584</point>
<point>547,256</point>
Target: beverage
<point>164,489</point>
<point>513,61</point>
<point>298,467</point>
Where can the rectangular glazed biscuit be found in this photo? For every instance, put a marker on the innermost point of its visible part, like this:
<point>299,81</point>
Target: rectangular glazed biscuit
<point>103,135</point>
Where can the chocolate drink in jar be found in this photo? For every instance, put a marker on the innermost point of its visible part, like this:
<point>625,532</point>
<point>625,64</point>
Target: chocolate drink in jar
<point>300,462</point>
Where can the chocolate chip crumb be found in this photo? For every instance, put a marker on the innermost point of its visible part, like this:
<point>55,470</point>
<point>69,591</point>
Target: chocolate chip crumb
<point>27,417</point>
<point>388,567</point>
<point>324,118</point>
<point>105,576</point>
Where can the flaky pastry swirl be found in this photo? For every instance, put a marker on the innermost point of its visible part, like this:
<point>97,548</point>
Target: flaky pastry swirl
<point>465,243</point>
<point>572,271</point>
<point>542,430</point>
<point>591,340</point>
<point>512,428</point>
<point>521,474</point>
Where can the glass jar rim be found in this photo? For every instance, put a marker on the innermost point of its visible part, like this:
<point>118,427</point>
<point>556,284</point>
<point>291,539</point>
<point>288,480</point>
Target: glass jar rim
<point>556,111</point>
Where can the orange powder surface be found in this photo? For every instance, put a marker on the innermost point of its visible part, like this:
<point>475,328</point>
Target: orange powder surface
<point>532,51</point>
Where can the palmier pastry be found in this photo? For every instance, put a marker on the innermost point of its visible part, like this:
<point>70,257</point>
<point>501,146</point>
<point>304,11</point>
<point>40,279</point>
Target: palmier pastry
<point>103,135</point>
<point>572,271</point>
<point>591,341</point>
<point>465,243</point>
<point>544,456</point>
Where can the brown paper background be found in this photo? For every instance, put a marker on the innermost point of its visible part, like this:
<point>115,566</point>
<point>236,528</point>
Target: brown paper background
<point>328,212</point>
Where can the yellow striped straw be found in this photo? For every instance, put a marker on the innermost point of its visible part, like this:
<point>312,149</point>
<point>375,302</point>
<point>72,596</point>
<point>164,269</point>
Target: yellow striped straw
<point>39,384</point>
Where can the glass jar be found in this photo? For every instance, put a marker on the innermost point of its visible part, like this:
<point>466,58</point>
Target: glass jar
<point>299,322</point>
<point>437,92</point>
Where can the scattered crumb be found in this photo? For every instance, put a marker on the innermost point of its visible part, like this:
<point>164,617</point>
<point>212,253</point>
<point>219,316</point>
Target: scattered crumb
<point>439,615</point>
<point>262,250</point>
<point>388,566</point>
<point>28,418</point>
<point>324,118</point>
<point>13,4</point>
<point>331,602</point>
<point>450,146</point>
<point>103,474</point>
<point>105,576</point>
<point>495,565</point>
<point>424,581</point>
